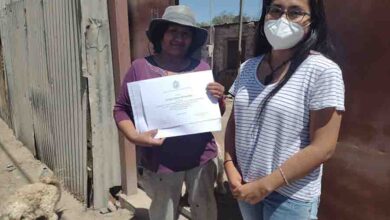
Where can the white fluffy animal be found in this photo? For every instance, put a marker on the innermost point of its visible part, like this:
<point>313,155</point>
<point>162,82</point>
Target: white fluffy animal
<point>34,200</point>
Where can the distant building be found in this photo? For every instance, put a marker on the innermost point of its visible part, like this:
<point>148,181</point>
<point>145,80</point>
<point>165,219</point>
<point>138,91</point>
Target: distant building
<point>225,54</point>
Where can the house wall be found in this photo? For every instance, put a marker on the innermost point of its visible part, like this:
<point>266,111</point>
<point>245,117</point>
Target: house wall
<point>357,179</point>
<point>224,33</point>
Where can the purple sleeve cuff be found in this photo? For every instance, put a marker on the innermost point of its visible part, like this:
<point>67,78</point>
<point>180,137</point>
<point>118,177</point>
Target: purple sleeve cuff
<point>120,115</point>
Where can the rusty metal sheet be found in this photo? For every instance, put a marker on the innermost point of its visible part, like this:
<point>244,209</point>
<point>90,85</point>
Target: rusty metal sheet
<point>357,179</point>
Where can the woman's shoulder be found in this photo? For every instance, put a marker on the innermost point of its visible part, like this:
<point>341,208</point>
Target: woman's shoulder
<point>136,70</point>
<point>320,67</point>
<point>251,64</point>
<point>139,61</point>
<point>251,60</point>
<point>202,65</point>
<point>320,62</point>
<point>140,64</point>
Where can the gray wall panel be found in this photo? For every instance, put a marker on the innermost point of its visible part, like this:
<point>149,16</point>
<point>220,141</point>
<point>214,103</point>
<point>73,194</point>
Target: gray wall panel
<point>52,77</point>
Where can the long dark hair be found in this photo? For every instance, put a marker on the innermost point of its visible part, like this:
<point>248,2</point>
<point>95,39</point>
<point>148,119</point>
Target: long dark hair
<point>317,40</point>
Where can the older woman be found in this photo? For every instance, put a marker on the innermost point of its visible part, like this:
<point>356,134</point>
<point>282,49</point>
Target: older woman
<point>287,112</point>
<point>169,163</point>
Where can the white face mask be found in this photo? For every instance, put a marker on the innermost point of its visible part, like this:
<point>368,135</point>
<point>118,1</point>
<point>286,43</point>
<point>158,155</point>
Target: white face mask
<point>283,34</point>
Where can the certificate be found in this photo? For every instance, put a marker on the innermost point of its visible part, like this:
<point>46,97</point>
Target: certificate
<point>175,105</point>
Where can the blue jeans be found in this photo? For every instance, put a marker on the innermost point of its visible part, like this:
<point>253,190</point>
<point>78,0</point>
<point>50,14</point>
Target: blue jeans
<point>279,207</point>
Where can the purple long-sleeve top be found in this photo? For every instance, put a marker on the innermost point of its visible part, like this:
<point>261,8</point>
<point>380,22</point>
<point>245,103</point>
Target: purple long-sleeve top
<point>177,153</point>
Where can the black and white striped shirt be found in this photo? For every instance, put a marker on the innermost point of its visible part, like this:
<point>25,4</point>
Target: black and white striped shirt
<point>283,129</point>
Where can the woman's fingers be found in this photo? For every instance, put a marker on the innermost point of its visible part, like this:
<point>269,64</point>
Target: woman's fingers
<point>147,139</point>
<point>216,93</point>
<point>157,141</point>
<point>152,133</point>
<point>154,141</point>
<point>216,86</point>
<point>216,89</point>
<point>237,193</point>
<point>235,184</point>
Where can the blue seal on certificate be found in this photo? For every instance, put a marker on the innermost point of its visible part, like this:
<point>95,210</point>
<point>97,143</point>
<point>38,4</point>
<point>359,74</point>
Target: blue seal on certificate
<point>176,84</point>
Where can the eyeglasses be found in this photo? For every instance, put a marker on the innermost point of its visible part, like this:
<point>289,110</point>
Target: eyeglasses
<point>292,14</point>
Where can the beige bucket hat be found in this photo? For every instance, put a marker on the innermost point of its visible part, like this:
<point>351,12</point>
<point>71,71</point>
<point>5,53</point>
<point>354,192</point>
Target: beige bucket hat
<point>182,15</point>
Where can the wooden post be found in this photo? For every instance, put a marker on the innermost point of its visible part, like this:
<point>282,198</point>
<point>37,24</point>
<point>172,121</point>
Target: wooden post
<point>120,41</point>
<point>240,36</point>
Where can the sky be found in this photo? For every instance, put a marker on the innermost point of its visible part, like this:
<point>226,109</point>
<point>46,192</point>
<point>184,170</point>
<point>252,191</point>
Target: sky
<point>202,10</point>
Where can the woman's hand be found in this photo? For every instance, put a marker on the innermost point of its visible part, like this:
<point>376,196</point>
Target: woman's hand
<point>216,89</point>
<point>234,177</point>
<point>147,139</point>
<point>253,192</point>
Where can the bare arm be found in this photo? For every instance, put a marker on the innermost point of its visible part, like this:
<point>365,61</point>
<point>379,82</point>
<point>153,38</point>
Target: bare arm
<point>230,138</point>
<point>234,177</point>
<point>324,131</point>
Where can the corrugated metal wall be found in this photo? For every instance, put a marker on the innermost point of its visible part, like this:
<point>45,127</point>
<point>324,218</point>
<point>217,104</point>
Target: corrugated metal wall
<point>59,75</point>
<point>66,96</point>
<point>4,103</point>
<point>15,54</point>
<point>47,91</point>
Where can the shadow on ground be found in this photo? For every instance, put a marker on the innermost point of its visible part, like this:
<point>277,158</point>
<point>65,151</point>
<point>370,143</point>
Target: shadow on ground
<point>140,214</point>
<point>227,206</point>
